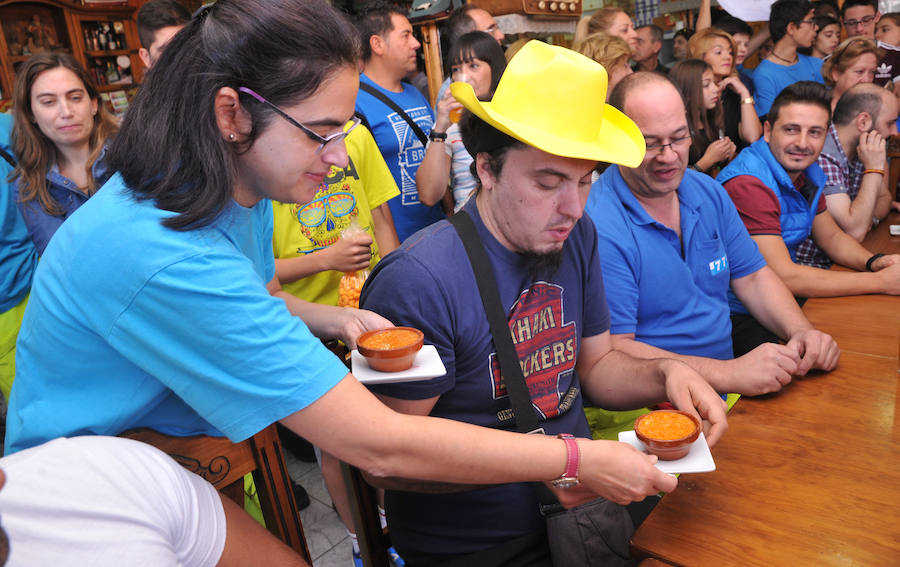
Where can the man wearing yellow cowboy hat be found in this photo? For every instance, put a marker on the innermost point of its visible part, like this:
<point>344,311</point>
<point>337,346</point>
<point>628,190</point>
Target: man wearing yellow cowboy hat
<point>535,145</point>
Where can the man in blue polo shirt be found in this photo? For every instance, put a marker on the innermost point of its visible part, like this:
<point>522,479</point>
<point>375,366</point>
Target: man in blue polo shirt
<point>389,54</point>
<point>671,244</point>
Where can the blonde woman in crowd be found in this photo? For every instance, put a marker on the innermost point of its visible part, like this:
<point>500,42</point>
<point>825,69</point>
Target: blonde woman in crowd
<point>610,51</point>
<point>853,62</point>
<point>612,20</point>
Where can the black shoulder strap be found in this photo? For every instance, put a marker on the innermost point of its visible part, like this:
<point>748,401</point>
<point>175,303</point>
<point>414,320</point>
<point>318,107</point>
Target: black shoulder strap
<point>510,368</point>
<point>362,119</point>
<point>396,108</point>
<point>7,157</point>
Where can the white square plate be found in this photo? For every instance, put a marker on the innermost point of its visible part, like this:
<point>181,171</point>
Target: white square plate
<point>427,364</point>
<point>698,459</point>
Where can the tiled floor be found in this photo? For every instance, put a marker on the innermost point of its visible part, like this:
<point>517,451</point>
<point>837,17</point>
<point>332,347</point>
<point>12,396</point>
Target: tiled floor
<point>326,536</point>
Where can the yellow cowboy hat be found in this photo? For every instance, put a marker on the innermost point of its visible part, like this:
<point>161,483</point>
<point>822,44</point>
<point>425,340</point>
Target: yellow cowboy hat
<point>552,98</point>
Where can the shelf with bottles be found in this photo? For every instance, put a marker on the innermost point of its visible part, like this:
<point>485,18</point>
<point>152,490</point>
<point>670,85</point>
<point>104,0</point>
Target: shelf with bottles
<point>111,70</point>
<point>103,36</point>
<point>125,52</point>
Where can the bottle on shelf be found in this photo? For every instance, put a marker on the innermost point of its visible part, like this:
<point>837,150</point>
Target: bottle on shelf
<point>112,76</point>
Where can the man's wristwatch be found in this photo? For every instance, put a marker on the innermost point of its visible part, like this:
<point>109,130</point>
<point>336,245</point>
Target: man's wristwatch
<point>569,478</point>
<point>437,136</point>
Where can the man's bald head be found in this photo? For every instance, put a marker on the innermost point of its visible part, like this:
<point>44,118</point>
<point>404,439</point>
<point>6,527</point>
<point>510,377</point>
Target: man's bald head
<point>864,97</point>
<point>640,81</point>
<point>656,106</point>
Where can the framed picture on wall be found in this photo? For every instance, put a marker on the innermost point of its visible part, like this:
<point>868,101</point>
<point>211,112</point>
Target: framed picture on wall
<point>32,29</point>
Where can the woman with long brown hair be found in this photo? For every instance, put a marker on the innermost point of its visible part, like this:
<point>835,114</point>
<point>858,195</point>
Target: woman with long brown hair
<point>710,147</point>
<point>719,50</point>
<point>59,138</point>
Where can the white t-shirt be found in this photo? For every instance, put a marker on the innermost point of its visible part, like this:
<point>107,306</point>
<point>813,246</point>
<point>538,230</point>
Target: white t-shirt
<point>107,501</point>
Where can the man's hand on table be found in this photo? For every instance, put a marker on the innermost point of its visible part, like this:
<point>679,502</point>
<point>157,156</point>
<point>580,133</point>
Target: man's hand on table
<point>889,274</point>
<point>689,391</point>
<point>885,261</point>
<point>816,349</point>
<point>765,369</point>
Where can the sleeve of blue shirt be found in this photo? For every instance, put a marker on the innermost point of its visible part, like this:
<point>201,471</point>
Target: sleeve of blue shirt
<point>223,345</point>
<point>744,256</point>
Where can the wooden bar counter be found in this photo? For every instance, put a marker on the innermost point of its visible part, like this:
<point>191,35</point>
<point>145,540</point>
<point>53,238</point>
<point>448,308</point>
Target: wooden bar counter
<point>869,324</point>
<point>808,476</point>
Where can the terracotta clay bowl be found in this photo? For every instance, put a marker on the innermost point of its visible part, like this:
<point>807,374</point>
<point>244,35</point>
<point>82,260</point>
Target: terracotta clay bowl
<point>668,434</point>
<point>390,350</point>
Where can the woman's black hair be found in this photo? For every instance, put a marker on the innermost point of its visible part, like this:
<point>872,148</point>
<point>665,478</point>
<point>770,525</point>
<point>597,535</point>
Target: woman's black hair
<point>479,45</point>
<point>686,33</point>
<point>170,149</point>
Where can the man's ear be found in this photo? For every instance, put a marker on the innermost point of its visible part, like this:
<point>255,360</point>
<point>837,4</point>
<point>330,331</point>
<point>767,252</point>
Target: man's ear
<point>863,122</point>
<point>145,57</point>
<point>377,44</point>
<point>483,169</point>
<point>767,131</point>
<point>233,120</point>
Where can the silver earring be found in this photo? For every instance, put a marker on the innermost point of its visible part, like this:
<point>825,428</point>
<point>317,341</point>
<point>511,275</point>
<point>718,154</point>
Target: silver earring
<point>231,137</point>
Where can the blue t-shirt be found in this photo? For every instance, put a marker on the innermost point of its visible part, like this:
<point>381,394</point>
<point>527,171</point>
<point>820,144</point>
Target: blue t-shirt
<point>402,150</point>
<point>17,255</point>
<point>671,298</point>
<point>428,283</point>
<point>770,78</point>
<point>132,324</point>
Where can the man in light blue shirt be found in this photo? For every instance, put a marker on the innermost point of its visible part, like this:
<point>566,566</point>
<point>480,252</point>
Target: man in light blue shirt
<point>671,244</point>
<point>791,25</point>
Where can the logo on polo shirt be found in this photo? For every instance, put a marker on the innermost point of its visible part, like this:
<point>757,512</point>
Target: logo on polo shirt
<point>883,70</point>
<point>716,267</point>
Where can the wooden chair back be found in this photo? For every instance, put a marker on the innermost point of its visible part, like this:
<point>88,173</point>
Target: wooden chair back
<point>224,465</point>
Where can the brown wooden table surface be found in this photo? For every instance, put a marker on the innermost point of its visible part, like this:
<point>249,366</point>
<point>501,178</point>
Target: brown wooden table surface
<point>869,324</point>
<point>808,476</point>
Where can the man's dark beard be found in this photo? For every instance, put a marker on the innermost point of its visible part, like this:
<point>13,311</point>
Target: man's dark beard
<point>543,265</point>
